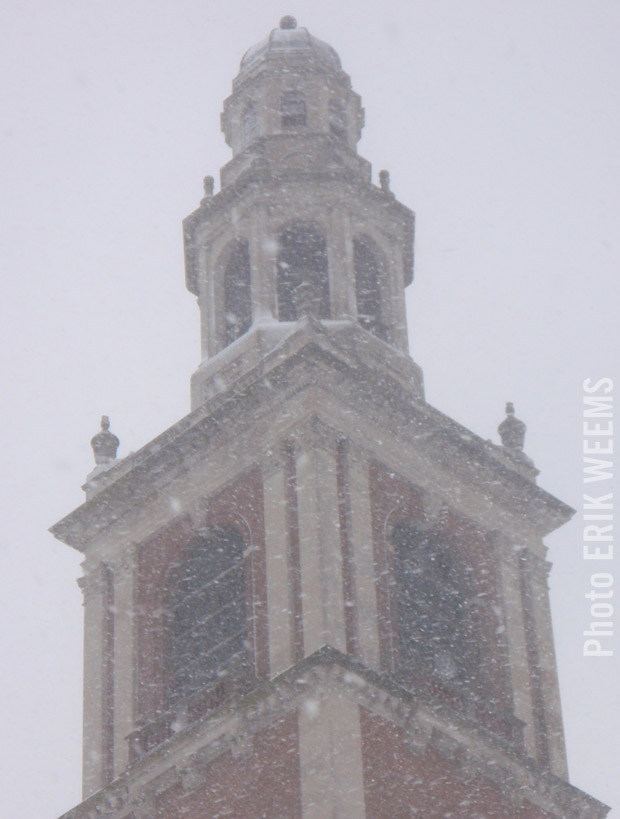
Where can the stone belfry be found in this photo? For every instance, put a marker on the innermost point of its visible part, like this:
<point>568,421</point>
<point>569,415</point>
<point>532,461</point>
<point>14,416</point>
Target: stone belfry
<point>315,595</point>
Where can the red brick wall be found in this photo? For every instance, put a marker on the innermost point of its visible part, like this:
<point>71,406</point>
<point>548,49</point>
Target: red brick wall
<point>262,784</point>
<point>399,784</point>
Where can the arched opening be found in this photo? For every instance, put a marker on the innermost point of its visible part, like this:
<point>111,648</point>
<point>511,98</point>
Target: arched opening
<point>433,626</point>
<point>303,282</point>
<point>237,293</point>
<point>367,287</point>
<point>293,109</point>
<point>206,627</point>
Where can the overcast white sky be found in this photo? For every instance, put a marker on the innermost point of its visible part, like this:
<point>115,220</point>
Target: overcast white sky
<point>499,122</point>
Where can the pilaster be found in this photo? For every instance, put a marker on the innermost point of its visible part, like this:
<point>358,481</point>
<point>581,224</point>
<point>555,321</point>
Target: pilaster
<point>510,581</point>
<point>362,543</point>
<point>124,657</point>
<point>330,749</point>
<point>319,543</point>
<point>277,561</point>
<point>543,668</point>
<point>92,585</point>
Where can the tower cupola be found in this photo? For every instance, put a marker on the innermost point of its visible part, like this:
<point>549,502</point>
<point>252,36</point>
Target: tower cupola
<point>290,40</point>
<point>297,228</point>
<point>291,84</point>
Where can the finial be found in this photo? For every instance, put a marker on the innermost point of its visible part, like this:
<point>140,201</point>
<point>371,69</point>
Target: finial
<point>208,183</point>
<point>288,22</point>
<point>511,430</point>
<point>384,181</point>
<point>104,443</point>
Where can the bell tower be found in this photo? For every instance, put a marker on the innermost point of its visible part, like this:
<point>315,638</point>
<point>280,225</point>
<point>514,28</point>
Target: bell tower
<point>315,595</point>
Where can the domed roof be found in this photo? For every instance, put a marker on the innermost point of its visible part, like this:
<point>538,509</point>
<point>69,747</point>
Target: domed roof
<point>288,39</point>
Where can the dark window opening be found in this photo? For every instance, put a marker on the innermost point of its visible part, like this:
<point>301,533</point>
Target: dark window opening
<point>303,283</point>
<point>237,293</point>
<point>293,109</point>
<point>337,118</point>
<point>205,618</point>
<point>433,627</point>
<point>367,289</point>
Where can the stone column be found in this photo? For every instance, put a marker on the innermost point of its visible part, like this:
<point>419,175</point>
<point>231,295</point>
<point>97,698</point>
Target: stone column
<point>263,253</point>
<point>394,300</point>
<point>340,263</point>
<point>206,302</point>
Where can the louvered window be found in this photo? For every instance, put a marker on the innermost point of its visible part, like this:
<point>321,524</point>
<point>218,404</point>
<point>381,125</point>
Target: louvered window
<point>206,625</point>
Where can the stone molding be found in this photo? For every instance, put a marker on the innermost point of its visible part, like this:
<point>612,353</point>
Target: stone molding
<point>328,671</point>
<point>200,432</point>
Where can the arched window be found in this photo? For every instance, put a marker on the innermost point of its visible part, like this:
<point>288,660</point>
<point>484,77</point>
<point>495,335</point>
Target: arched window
<point>249,125</point>
<point>431,606</point>
<point>206,612</point>
<point>303,283</point>
<point>367,289</point>
<point>237,293</point>
<point>293,109</point>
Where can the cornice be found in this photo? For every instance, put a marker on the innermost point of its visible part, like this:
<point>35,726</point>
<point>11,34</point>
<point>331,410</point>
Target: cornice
<point>327,672</point>
<point>292,366</point>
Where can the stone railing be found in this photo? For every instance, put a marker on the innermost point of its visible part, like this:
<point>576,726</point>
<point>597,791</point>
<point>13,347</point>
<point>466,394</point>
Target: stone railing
<point>498,722</point>
<point>179,715</point>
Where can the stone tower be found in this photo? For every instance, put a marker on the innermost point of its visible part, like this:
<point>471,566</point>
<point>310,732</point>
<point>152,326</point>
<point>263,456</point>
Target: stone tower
<point>315,595</point>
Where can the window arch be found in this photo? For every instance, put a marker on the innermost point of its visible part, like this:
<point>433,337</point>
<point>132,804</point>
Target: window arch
<point>432,611</point>
<point>293,109</point>
<point>303,282</point>
<point>237,292</point>
<point>205,618</point>
<point>367,287</point>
